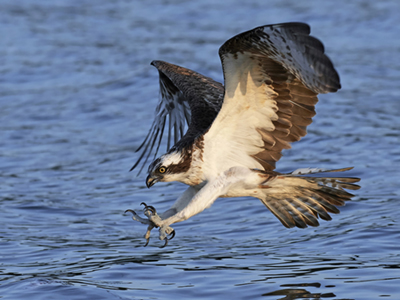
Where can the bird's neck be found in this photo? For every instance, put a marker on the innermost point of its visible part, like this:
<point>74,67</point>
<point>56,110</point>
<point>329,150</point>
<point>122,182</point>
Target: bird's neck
<point>194,175</point>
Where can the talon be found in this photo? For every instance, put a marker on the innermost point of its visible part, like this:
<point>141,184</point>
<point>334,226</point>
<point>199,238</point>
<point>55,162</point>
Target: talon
<point>168,239</point>
<point>148,222</point>
<point>135,217</point>
<point>152,209</point>
<point>130,210</point>
<point>149,207</point>
<point>166,243</point>
<point>147,235</point>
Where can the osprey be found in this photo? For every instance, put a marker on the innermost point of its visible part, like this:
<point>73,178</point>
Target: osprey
<point>236,133</point>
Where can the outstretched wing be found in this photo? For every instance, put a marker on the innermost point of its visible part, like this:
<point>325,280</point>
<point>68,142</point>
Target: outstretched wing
<point>187,97</point>
<point>273,75</point>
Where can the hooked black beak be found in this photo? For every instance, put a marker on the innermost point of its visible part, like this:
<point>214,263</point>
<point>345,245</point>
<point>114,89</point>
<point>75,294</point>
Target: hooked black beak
<point>150,181</point>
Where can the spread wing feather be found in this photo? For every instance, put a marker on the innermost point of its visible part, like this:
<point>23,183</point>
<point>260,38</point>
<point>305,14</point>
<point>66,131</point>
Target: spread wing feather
<point>273,75</point>
<point>187,97</point>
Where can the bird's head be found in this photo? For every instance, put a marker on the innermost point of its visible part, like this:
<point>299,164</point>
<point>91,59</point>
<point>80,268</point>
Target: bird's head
<point>167,167</point>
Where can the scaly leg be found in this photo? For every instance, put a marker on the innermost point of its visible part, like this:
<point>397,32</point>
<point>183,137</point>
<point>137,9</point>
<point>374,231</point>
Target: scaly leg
<point>154,220</point>
<point>193,201</point>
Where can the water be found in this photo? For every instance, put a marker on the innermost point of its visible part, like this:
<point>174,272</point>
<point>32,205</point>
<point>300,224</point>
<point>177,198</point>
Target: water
<point>77,97</point>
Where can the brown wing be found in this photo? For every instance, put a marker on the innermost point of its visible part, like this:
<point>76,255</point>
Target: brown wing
<point>187,97</point>
<point>275,72</point>
<point>296,107</point>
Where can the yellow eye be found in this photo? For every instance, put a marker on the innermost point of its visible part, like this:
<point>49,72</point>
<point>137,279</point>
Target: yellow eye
<point>162,170</point>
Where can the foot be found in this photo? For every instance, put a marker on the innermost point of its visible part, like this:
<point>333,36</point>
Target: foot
<point>153,220</point>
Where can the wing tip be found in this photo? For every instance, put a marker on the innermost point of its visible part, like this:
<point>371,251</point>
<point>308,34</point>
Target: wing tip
<point>158,63</point>
<point>300,27</point>
<point>294,25</point>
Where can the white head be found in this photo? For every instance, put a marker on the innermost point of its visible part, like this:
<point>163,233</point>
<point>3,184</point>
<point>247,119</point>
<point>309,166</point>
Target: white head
<point>171,166</point>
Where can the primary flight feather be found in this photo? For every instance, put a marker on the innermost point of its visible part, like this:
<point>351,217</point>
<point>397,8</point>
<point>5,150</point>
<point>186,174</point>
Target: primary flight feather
<point>236,132</point>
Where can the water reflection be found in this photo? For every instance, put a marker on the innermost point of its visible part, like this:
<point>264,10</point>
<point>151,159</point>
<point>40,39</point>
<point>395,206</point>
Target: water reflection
<point>291,294</point>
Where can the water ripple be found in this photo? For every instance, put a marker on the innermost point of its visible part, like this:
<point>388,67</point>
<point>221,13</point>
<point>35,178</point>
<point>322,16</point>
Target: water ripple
<point>77,97</point>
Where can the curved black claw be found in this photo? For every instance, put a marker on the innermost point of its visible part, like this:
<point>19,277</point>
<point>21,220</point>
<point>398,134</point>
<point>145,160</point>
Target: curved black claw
<point>166,243</point>
<point>149,207</point>
<point>167,239</point>
<point>173,235</point>
<point>147,242</point>
<point>130,210</point>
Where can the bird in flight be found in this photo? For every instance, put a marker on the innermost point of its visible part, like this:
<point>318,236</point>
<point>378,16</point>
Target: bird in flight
<point>237,131</point>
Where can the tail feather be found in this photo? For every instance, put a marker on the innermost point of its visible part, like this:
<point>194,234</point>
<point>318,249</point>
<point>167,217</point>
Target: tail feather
<point>337,182</point>
<point>298,219</point>
<point>316,205</point>
<point>299,200</point>
<point>302,214</point>
<point>283,215</point>
<point>306,171</point>
<point>331,198</point>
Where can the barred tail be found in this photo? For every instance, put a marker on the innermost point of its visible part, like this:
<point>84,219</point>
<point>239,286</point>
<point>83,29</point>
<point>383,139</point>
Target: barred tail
<point>299,200</point>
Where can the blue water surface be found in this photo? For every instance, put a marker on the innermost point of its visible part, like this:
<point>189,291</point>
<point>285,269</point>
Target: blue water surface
<point>77,96</point>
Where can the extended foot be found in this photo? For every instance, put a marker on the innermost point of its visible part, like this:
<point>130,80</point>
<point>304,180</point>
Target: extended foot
<point>153,220</point>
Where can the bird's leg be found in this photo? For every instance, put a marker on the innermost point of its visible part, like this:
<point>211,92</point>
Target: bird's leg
<point>153,220</point>
<point>135,217</point>
<point>157,220</point>
<point>165,230</point>
<point>196,199</point>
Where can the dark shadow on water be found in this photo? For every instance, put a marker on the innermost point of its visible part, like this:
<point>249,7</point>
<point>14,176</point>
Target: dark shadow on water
<point>290,294</point>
